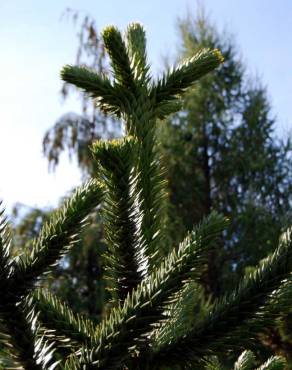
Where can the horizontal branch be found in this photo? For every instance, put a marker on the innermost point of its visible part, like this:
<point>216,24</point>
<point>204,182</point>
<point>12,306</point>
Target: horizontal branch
<point>110,99</point>
<point>240,315</point>
<point>176,81</point>
<point>59,318</point>
<point>146,304</point>
<point>55,239</point>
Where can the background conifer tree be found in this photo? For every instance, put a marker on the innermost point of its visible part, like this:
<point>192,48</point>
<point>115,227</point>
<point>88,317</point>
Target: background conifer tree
<point>222,153</point>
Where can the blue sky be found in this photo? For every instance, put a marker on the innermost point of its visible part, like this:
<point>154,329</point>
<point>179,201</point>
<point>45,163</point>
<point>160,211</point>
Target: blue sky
<point>35,44</point>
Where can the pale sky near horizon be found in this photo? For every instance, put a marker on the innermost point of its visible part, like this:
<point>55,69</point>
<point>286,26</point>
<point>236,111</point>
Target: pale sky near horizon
<point>35,44</point>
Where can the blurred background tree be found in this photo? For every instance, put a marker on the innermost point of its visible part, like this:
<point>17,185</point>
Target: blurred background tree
<point>74,132</point>
<point>78,280</point>
<point>220,151</point>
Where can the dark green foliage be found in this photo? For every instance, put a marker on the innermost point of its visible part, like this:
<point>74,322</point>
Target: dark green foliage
<point>220,328</point>
<point>146,305</point>
<point>136,45</point>
<point>95,86</point>
<point>120,61</point>
<point>17,313</point>
<point>173,84</point>
<point>55,238</point>
<point>125,254</point>
<point>78,279</point>
<point>28,346</point>
<point>57,316</point>
<point>247,361</point>
<point>151,293</point>
<point>4,249</point>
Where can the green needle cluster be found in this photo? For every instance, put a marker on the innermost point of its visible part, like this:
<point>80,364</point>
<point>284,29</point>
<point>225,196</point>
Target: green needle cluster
<point>151,284</point>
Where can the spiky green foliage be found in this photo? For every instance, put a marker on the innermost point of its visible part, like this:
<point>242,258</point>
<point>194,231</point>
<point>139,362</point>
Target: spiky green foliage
<point>176,81</point>
<point>138,100</point>
<point>247,361</point>
<point>18,316</point>
<point>29,347</point>
<point>18,325</point>
<point>4,250</point>
<point>120,61</point>
<point>147,304</point>
<point>236,318</point>
<point>62,321</point>
<point>136,45</point>
<point>125,254</point>
<point>213,363</point>
<point>96,86</point>
<point>55,238</point>
<point>274,363</point>
<point>151,294</point>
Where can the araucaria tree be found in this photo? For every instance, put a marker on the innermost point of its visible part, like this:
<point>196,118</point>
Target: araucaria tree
<point>152,286</point>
